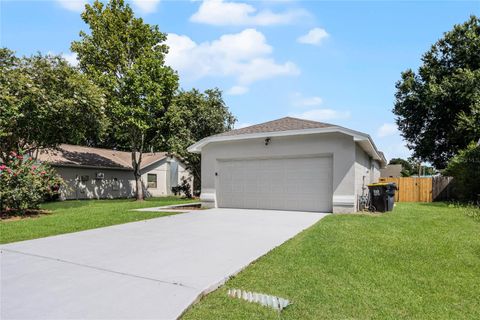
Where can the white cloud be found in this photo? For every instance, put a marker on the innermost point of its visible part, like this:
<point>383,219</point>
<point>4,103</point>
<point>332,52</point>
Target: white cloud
<point>71,58</point>
<point>322,115</point>
<point>237,90</point>
<point>242,125</point>
<point>299,100</point>
<point>73,5</point>
<point>314,36</point>
<point>387,129</point>
<point>245,56</point>
<point>221,13</point>
<point>146,6</point>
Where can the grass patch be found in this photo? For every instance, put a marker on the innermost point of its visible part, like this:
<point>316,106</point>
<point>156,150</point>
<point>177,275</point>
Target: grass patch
<point>77,215</point>
<point>422,261</point>
<point>470,210</point>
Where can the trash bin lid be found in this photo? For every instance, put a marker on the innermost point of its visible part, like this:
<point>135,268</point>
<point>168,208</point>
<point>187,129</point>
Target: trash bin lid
<point>379,184</point>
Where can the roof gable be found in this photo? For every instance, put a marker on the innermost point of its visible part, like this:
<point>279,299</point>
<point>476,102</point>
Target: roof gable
<point>289,126</point>
<point>283,124</point>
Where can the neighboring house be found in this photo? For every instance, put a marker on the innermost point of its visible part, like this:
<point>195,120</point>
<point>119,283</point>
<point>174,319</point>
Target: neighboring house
<point>94,173</point>
<point>391,171</point>
<point>288,164</point>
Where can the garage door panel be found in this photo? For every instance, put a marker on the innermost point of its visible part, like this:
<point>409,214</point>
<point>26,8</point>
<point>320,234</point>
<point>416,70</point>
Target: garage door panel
<point>288,184</point>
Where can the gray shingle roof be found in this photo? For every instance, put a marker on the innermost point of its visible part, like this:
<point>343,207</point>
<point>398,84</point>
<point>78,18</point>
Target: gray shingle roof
<point>283,124</point>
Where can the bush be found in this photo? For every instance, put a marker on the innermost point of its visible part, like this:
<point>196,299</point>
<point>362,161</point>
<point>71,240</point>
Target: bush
<point>184,188</point>
<point>465,169</point>
<point>25,183</point>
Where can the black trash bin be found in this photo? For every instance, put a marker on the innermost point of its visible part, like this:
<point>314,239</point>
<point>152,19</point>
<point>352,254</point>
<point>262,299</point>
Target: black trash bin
<point>382,196</point>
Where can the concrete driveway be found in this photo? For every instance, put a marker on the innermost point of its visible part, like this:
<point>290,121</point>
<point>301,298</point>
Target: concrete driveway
<point>151,269</point>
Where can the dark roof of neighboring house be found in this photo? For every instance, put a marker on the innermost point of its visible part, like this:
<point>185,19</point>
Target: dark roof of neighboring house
<point>283,124</point>
<point>80,156</point>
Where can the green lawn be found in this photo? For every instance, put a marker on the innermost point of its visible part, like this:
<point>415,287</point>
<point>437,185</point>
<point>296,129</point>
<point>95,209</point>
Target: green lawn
<point>71,216</point>
<point>420,262</point>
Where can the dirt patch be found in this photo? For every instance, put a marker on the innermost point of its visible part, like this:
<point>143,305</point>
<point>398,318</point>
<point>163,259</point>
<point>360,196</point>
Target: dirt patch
<point>8,216</point>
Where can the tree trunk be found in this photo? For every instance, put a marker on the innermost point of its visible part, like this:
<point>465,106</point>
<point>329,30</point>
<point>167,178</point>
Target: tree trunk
<point>139,187</point>
<point>136,161</point>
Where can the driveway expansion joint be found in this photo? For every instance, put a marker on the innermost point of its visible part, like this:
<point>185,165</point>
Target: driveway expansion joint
<point>99,268</point>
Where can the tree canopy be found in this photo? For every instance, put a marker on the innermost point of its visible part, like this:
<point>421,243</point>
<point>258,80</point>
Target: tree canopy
<point>44,102</point>
<point>465,169</point>
<point>126,56</point>
<point>438,108</point>
<point>193,116</point>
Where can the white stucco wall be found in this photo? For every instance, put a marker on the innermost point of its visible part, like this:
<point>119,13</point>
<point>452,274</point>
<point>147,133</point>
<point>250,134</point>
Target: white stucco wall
<point>162,170</point>
<point>116,183</point>
<point>367,171</point>
<point>123,187</point>
<point>340,146</point>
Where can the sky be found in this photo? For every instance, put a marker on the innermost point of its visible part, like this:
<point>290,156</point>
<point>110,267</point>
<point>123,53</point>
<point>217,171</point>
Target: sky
<point>334,62</point>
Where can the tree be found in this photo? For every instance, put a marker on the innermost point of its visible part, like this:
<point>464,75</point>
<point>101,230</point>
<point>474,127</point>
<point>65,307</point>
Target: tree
<point>438,108</point>
<point>193,116</point>
<point>125,56</point>
<point>465,169</point>
<point>44,102</point>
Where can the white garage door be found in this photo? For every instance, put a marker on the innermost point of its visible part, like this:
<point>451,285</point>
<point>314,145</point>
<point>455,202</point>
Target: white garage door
<point>303,184</point>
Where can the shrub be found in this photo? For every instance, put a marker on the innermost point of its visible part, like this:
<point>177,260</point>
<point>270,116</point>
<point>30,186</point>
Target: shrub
<point>25,183</point>
<point>184,188</point>
<point>465,169</point>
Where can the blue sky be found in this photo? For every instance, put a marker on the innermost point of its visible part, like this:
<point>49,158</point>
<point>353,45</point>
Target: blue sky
<point>335,62</point>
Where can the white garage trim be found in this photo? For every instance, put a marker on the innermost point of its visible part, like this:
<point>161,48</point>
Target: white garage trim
<point>364,140</point>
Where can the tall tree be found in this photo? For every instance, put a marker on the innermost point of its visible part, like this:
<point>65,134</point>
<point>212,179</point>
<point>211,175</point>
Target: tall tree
<point>126,56</point>
<point>193,116</point>
<point>438,108</point>
<point>44,102</point>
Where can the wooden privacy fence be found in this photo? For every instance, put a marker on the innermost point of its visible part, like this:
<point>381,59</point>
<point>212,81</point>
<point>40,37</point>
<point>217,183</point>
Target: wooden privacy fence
<point>421,189</point>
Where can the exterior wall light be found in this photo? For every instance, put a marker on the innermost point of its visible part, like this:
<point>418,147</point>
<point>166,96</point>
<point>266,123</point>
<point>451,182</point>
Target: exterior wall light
<point>267,141</point>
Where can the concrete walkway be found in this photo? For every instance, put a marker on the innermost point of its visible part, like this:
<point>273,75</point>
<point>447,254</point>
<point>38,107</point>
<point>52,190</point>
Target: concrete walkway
<point>151,269</point>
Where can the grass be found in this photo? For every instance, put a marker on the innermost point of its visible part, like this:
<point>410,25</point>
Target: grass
<point>77,215</point>
<point>421,261</point>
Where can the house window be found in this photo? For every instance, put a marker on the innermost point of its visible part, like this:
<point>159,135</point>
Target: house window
<point>151,181</point>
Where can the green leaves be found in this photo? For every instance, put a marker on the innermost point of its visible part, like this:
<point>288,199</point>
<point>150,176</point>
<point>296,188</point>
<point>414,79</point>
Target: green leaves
<point>193,116</point>
<point>465,168</point>
<point>24,183</point>
<point>125,56</point>
<point>437,109</point>
<point>44,102</point>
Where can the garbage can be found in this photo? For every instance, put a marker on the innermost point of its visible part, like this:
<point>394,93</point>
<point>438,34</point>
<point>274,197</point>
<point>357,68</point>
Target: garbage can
<point>391,188</point>
<point>382,196</point>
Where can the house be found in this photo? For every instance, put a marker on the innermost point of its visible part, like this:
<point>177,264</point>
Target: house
<point>94,173</point>
<point>288,164</point>
<point>391,171</point>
